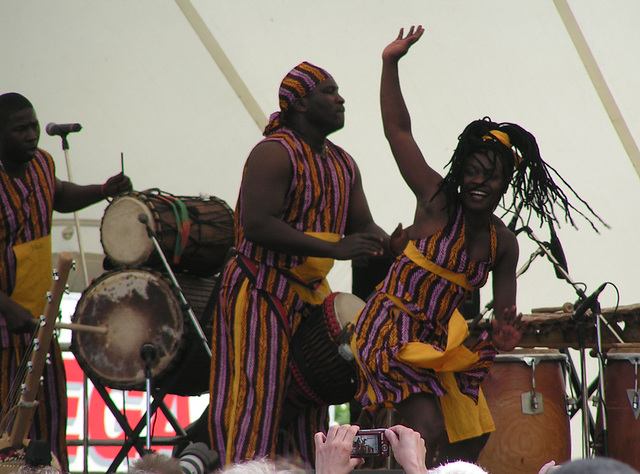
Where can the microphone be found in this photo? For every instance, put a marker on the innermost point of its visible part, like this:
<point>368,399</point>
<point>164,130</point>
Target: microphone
<point>555,247</point>
<point>62,129</point>
<point>143,218</point>
<point>148,352</point>
<point>586,303</point>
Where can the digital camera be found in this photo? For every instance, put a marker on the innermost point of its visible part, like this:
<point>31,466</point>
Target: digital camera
<point>370,443</point>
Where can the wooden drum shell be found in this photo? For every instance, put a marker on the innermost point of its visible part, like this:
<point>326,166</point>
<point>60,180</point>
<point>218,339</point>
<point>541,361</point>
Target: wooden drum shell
<point>523,443</point>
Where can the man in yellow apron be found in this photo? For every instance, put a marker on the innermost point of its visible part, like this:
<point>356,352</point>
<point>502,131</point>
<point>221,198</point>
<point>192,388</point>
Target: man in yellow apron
<point>29,193</point>
<point>300,195</point>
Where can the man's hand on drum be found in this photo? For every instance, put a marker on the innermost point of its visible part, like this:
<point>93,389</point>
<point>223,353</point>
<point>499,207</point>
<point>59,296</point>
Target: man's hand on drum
<point>506,334</point>
<point>116,185</point>
<point>333,451</point>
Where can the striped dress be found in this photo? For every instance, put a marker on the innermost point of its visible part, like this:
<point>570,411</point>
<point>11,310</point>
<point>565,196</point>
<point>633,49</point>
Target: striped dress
<point>26,209</point>
<point>415,305</point>
<point>258,309</point>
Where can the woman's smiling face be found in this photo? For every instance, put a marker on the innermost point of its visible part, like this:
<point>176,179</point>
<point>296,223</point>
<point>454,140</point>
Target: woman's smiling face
<point>482,182</point>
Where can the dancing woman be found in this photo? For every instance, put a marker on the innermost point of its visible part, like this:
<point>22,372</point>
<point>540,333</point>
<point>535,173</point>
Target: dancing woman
<point>408,340</point>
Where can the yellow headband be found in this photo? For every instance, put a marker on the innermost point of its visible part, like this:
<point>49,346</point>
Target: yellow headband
<point>504,139</point>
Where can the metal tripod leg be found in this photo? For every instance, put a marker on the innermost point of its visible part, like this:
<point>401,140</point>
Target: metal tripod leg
<point>132,435</point>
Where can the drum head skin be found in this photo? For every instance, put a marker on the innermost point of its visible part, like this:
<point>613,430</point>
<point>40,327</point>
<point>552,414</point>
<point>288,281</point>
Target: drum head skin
<point>136,307</point>
<point>346,307</point>
<point>124,238</point>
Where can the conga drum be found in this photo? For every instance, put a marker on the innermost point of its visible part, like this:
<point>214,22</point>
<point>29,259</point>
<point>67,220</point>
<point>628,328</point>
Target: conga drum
<point>622,403</point>
<point>323,366</point>
<point>194,233</point>
<point>137,307</point>
<point>525,391</point>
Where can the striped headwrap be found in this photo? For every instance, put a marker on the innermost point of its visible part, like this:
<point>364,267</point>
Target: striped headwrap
<point>301,80</point>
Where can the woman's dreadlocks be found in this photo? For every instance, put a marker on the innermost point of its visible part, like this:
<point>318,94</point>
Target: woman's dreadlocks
<point>529,176</point>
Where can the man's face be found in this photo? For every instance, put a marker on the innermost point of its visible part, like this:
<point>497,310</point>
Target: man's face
<point>325,107</point>
<point>19,137</point>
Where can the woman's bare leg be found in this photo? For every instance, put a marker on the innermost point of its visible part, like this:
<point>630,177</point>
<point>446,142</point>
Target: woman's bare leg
<point>422,412</point>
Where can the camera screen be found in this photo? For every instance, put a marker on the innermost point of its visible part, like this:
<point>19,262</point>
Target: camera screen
<point>367,444</point>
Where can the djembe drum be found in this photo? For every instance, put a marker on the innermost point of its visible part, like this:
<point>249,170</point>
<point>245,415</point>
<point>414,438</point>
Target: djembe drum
<point>194,233</point>
<point>323,366</point>
<point>525,393</point>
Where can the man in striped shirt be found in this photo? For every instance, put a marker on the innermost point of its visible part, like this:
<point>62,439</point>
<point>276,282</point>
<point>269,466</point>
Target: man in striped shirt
<point>301,205</point>
<point>29,193</point>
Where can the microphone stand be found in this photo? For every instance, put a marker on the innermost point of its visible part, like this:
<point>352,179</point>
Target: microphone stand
<point>148,353</point>
<point>65,149</point>
<point>85,272</point>
<point>144,219</point>
<point>595,309</point>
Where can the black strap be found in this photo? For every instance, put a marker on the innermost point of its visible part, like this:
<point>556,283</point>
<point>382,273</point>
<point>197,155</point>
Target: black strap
<point>243,264</point>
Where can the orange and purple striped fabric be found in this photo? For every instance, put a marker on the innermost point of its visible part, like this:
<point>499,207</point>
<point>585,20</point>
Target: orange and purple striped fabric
<point>26,210</point>
<point>382,328</point>
<point>26,214</point>
<point>250,364</point>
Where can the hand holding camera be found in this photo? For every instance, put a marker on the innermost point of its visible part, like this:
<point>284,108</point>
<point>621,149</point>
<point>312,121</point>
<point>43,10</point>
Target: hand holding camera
<point>333,451</point>
<point>408,448</point>
<point>345,446</point>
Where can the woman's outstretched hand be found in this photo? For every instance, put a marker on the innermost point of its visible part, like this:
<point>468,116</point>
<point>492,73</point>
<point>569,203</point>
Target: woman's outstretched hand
<point>506,334</point>
<point>401,45</point>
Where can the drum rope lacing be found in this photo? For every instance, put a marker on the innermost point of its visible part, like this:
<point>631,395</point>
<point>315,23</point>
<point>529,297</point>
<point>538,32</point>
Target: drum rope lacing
<point>182,221</point>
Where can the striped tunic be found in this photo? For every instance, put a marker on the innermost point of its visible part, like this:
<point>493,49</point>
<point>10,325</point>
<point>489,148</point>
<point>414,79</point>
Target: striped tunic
<point>429,301</point>
<point>250,364</point>
<point>26,215</point>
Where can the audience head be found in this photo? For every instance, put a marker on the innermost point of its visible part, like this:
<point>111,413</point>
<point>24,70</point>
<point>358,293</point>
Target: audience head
<point>156,463</point>
<point>458,467</point>
<point>262,466</point>
<point>597,465</point>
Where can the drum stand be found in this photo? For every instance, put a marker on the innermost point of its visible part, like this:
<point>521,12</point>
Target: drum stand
<point>144,219</point>
<point>147,352</point>
<point>585,303</point>
<point>132,435</point>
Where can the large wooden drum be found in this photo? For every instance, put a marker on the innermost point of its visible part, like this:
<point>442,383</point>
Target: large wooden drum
<point>138,306</point>
<point>622,401</point>
<point>323,366</point>
<point>194,233</point>
<point>525,391</point>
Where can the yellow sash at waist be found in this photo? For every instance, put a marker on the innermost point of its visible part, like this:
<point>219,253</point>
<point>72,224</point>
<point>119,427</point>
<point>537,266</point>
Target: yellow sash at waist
<point>314,270</point>
<point>463,418</point>
<point>455,358</point>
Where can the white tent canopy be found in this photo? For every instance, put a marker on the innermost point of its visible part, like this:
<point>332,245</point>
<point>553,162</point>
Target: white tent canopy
<point>141,82</point>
